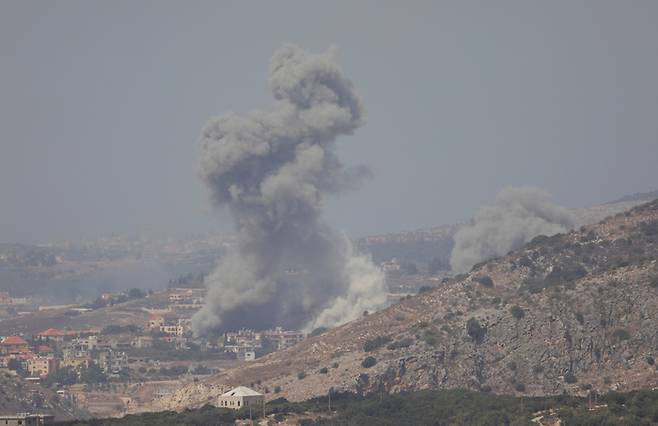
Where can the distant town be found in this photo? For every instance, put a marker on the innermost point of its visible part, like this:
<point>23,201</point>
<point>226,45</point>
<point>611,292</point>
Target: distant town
<point>122,349</point>
<point>106,369</point>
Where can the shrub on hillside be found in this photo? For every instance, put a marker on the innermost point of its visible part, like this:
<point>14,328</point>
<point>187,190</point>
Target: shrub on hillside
<point>485,280</point>
<point>517,312</point>
<point>368,362</point>
<point>620,335</point>
<point>475,330</point>
<point>429,336</point>
<point>404,343</point>
<point>565,274</point>
<point>570,378</point>
<point>376,343</point>
<point>653,281</point>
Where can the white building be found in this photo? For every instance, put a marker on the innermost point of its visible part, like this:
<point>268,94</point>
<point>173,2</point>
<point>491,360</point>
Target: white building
<point>240,397</point>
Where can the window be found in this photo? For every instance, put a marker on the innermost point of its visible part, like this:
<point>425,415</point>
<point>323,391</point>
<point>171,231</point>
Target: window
<point>238,403</point>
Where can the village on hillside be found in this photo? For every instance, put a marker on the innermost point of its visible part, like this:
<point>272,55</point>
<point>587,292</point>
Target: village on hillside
<point>108,370</point>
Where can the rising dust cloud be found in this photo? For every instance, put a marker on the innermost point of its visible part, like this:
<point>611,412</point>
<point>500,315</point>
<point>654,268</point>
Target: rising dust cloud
<point>273,171</point>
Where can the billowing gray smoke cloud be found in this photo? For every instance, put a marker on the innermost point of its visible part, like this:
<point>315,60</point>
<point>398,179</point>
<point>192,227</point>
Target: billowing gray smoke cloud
<point>518,215</point>
<point>273,170</point>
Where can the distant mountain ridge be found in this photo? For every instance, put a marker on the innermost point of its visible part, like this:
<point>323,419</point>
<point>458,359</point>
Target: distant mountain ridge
<point>639,197</point>
<point>435,243</point>
<point>64,273</point>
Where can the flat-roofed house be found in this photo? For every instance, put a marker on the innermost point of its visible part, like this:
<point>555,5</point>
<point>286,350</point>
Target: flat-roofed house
<point>240,397</point>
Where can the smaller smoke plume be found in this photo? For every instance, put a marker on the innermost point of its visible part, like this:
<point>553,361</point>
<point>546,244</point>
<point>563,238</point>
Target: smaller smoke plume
<point>518,215</point>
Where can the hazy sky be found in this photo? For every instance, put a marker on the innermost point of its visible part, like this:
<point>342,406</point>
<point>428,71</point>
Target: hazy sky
<point>102,103</point>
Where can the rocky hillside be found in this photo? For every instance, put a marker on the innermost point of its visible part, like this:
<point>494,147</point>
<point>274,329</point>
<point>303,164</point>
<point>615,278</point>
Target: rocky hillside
<point>566,313</point>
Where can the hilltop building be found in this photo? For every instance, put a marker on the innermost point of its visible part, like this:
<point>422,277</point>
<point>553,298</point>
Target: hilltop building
<point>240,397</point>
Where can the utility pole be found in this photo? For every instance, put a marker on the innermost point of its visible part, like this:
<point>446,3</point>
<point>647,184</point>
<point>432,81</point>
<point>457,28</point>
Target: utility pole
<point>330,399</point>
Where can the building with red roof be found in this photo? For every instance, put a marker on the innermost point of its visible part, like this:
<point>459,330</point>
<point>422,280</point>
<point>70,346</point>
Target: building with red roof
<point>14,345</point>
<point>155,321</point>
<point>43,349</point>
<point>53,334</point>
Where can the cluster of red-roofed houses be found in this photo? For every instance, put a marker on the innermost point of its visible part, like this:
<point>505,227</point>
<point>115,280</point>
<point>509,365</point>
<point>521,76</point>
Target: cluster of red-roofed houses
<point>51,349</point>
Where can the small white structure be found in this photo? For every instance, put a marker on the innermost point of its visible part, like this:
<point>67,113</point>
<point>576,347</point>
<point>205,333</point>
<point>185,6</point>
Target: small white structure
<point>240,397</point>
<point>250,356</point>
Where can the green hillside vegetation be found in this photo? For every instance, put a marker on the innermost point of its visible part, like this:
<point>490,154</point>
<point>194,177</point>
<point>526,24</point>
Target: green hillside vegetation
<point>446,407</point>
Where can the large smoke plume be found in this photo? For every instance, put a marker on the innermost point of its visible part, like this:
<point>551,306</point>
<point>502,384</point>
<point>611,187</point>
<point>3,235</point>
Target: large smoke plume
<point>518,215</point>
<point>273,171</point>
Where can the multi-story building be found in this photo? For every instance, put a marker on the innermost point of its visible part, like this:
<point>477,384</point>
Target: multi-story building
<point>243,337</point>
<point>112,362</point>
<point>81,346</point>
<point>88,343</point>
<point>284,338</point>
<point>40,366</point>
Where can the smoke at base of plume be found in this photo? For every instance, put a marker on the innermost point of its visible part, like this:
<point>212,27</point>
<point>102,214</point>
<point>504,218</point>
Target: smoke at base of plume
<point>518,215</point>
<point>273,170</point>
